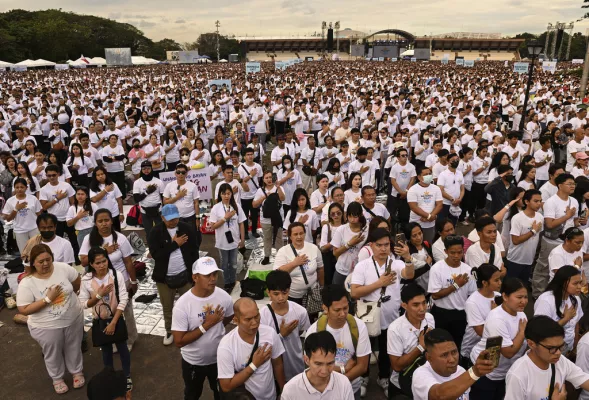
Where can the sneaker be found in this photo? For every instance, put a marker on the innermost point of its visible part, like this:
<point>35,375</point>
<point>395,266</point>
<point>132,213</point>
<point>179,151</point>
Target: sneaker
<point>383,383</point>
<point>373,359</point>
<point>364,386</point>
<point>130,347</point>
<point>168,339</point>
<point>255,234</point>
<point>266,261</point>
<point>465,222</point>
<point>129,384</point>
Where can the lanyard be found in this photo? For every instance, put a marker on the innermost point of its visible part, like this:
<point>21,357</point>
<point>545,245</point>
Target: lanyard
<point>376,266</point>
<point>226,211</point>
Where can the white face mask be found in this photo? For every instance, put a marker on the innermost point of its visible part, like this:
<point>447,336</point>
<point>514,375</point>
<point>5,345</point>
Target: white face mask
<point>427,179</point>
<point>287,165</point>
<point>185,158</point>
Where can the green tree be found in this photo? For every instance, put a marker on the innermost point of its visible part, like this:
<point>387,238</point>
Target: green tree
<point>207,45</point>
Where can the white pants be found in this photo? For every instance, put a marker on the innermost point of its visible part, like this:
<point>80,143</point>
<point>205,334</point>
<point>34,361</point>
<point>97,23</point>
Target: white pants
<point>23,238</point>
<point>62,347</point>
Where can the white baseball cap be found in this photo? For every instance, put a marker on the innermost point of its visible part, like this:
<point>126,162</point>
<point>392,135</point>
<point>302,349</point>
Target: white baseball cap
<point>204,266</point>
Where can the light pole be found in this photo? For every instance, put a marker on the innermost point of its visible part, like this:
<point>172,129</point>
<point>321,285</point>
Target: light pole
<point>534,50</point>
<point>218,24</point>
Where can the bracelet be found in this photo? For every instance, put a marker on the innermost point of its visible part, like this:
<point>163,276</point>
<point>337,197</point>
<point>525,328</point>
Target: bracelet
<point>473,376</point>
<point>202,329</point>
<point>133,282</point>
<point>253,366</point>
<point>534,232</point>
<point>577,266</point>
<point>455,286</point>
<point>429,216</point>
<point>347,246</point>
<point>98,297</point>
<point>342,369</point>
<point>507,207</point>
<point>420,348</point>
<point>47,300</point>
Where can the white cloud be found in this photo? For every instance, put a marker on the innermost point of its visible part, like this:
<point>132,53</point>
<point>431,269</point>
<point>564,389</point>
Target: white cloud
<point>184,20</point>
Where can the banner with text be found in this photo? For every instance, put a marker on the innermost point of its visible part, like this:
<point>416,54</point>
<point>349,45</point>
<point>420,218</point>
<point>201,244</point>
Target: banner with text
<point>469,63</point>
<point>549,66</point>
<point>252,67</point>
<point>520,67</point>
<point>200,177</point>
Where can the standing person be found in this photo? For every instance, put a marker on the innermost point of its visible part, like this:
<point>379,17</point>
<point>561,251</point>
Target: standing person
<point>186,197</point>
<point>425,201</point>
<point>321,377</point>
<point>402,176</point>
<point>560,213</point>
<point>485,251</point>
<point>288,319</point>
<point>198,325</point>
<point>480,171</point>
<point>549,189</point>
<point>81,214</point>
<point>300,211</point>
<point>251,175</point>
<point>260,347</point>
<point>171,244</point>
<point>371,208</point>
<point>47,225</point>
<point>103,286</point>
<point>106,194</point>
<point>544,363</point>
<point>23,209</point>
<point>55,317</point>
<point>509,322</point>
<point>450,286</point>
<point>354,350</point>
<point>378,278</point>
<point>147,192</point>
<point>56,197</point>
<point>289,179</point>
<point>113,157</point>
<point>568,253</point>
<point>227,220</point>
<point>543,158</point>
<point>271,229</point>
<point>347,242</point>
<point>119,252</point>
<point>335,220</point>
<point>451,183</point>
<point>525,235</point>
<point>259,118</point>
<point>499,188</point>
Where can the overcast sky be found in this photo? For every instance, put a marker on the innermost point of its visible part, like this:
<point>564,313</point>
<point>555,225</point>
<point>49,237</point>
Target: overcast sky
<point>184,20</point>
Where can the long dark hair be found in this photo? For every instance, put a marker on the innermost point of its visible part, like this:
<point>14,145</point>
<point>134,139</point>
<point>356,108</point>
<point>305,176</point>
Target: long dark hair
<point>513,193</point>
<point>351,178</point>
<point>496,161</point>
<point>26,153</point>
<point>227,187</point>
<point>355,209</point>
<point>580,190</point>
<point>284,158</point>
<point>87,204</point>
<point>28,173</point>
<point>294,207</point>
<point>559,284</point>
<point>168,137</point>
<point>213,162</point>
<point>94,184</point>
<point>99,251</point>
<point>57,162</point>
<point>95,239</point>
<point>71,159</point>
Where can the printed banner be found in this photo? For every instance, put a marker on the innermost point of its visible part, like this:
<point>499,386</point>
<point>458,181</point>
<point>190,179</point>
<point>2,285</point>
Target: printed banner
<point>200,177</point>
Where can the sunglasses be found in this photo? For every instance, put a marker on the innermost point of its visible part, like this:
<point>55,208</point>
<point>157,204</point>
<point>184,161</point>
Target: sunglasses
<point>181,172</point>
<point>403,156</point>
<point>336,214</point>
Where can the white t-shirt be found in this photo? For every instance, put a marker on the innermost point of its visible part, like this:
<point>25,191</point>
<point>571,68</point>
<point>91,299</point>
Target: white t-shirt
<point>403,337</point>
<point>185,204</point>
<point>285,255</point>
<point>365,274</point>
<point>49,192</point>
<point>426,198</point>
<point>350,196</point>
<point>86,222</point>
<point>117,256</point>
<point>218,213</point>
<point>424,378</point>
<point>379,210</point>
<point>299,387</point>
<point>345,347</point>
<point>234,184</point>
<point>290,185</point>
<point>347,260</point>
<point>26,219</point>
<point>153,199</point>
<point>293,354</point>
<point>574,147</point>
<point>523,253</point>
<point>583,360</point>
<point>62,250</point>
<point>540,156</point>
<point>64,310</point>
<point>526,381</point>
<point>254,183</point>
<point>441,276</point>
<point>545,305</point>
<point>452,182</point>
<point>115,166</point>
<point>188,315</point>
<point>477,308</point>
<point>555,208</point>
<point>402,175</point>
<point>475,256</point>
<point>233,355</point>
<point>500,323</point>
<point>109,201</point>
<point>559,257</point>
<point>311,224</point>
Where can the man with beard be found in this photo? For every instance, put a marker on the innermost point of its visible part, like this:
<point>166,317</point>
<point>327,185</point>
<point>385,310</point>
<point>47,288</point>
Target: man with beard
<point>147,192</point>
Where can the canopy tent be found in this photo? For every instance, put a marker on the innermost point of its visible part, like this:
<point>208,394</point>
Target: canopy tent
<point>43,63</point>
<point>140,60</point>
<point>26,63</point>
<point>4,64</point>
<point>222,60</point>
<point>97,61</point>
<point>407,53</point>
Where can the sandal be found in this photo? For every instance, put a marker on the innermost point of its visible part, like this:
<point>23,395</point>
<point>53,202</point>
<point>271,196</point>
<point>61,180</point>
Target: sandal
<point>60,387</point>
<point>79,381</point>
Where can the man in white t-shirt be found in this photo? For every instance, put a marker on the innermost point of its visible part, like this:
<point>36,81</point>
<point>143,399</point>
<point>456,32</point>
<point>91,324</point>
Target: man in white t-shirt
<point>402,177</point>
<point>441,377</point>
<point>251,175</point>
<point>479,253</point>
<point>370,207</point>
<point>61,248</point>
<point>574,146</point>
<point>229,175</point>
<point>549,189</point>
<point>321,381</point>
<point>185,195</point>
<point>425,201</point>
<point>278,152</point>
<point>250,354</point>
<point>198,325</point>
<point>543,158</point>
<point>451,183</point>
<point>350,333</point>
<point>531,375</point>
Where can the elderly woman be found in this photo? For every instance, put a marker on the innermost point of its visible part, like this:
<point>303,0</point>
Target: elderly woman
<point>55,318</point>
<point>302,260</point>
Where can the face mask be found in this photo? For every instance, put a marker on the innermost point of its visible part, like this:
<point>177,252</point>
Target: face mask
<point>287,165</point>
<point>510,178</point>
<point>46,235</point>
<point>454,164</point>
<point>185,158</point>
<point>425,137</point>
<point>136,146</point>
<point>428,179</point>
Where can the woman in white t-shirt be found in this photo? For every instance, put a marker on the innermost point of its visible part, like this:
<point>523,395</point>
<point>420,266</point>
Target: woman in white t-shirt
<point>81,214</point>
<point>171,150</point>
<point>82,165</point>
<point>64,173</point>
<point>335,219</point>
<point>300,211</point>
<point>354,192</point>
<point>200,154</point>
<point>479,304</point>
<point>106,194</point>
<point>136,156</point>
<point>272,234</point>
<point>375,223</point>
<point>347,242</point>
<point>155,154</point>
<point>509,322</point>
<point>289,179</point>
<point>423,148</point>
<point>22,208</point>
<point>33,186</point>
<point>302,260</point>
<point>226,220</point>
<point>527,180</point>
<point>55,318</point>
<point>562,303</point>
<point>113,157</point>
<point>568,253</point>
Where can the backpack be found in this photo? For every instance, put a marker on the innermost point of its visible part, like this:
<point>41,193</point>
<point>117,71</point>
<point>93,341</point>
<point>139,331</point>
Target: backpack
<point>352,324</point>
<point>136,243</point>
<point>134,216</point>
<point>271,208</point>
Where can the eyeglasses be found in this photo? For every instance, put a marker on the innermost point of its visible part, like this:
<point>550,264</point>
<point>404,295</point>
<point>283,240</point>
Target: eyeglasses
<point>51,175</point>
<point>554,349</point>
<point>181,172</point>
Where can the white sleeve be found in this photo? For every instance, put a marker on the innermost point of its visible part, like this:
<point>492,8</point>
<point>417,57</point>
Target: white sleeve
<point>225,367</point>
<point>435,284</point>
<point>514,387</point>
<point>281,259</point>
<point>394,343</point>
<point>363,348</point>
<point>180,319</point>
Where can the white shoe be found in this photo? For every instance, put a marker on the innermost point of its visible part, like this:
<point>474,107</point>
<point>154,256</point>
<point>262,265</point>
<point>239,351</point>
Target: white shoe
<point>168,340</point>
<point>363,391</point>
<point>383,383</point>
<point>364,385</point>
<point>465,223</point>
<point>130,347</point>
<point>373,359</point>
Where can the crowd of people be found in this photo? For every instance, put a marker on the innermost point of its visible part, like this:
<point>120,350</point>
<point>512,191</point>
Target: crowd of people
<point>299,157</point>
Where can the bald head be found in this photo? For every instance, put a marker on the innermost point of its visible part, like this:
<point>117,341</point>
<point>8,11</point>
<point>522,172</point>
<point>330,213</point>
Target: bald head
<point>244,305</point>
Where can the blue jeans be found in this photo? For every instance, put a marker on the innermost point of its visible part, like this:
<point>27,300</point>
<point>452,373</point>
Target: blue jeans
<point>228,264</point>
<point>107,358</point>
<point>82,234</point>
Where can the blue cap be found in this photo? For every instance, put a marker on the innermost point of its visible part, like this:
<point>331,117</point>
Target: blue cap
<point>170,211</point>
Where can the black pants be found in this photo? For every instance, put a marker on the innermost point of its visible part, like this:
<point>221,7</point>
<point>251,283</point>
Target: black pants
<point>279,127</point>
<point>171,166</point>
<point>249,210</point>
<point>298,301</point>
<point>467,205</point>
<point>384,363</point>
<point>192,222</point>
<point>194,379</point>
<point>399,209</point>
<point>116,223</point>
<point>150,222</point>
<point>520,271</point>
<point>445,213</point>
<point>81,180</point>
<point>486,389</point>
<point>329,262</point>
<point>454,321</point>
<point>119,179</point>
<point>479,196</point>
<point>71,235</point>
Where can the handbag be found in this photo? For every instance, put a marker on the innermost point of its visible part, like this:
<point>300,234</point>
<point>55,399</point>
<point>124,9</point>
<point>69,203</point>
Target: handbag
<point>253,288</point>
<point>369,311</point>
<point>240,392</point>
<point>177,281</point>
<point>99,338</point>
<point>312,300</point>
<point>406,376</point>
<point>308,169</point>
<point>554,233</point>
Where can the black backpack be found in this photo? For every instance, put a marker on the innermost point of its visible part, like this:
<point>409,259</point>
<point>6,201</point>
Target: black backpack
<point>271,208</point>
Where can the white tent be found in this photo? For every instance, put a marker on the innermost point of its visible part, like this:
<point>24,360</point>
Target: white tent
<point>138,60</point>
<point>43,63</point>
<point>4,64</point>
<point>26,63</point>
<point>97,61</point>
<point>222,60</point>
<point>407,53</point>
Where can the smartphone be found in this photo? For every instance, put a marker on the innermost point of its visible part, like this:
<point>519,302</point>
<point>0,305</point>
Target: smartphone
<point>584,213</point>
<point>493,346</point>
<point>400,238</point>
